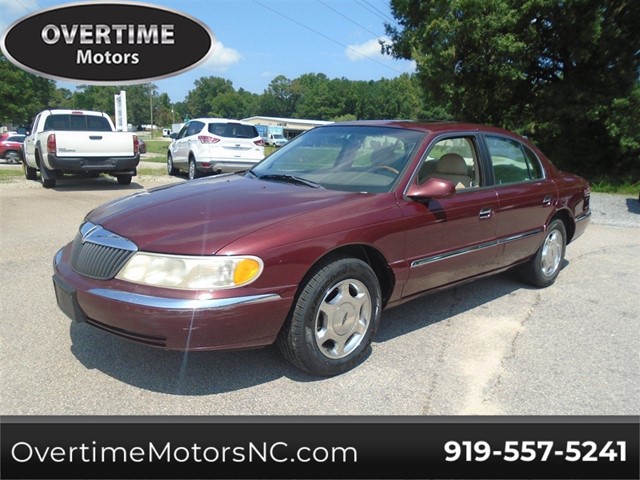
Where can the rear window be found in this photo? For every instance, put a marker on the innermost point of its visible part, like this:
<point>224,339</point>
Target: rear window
<point>233,130</point>
<point>77,122</point>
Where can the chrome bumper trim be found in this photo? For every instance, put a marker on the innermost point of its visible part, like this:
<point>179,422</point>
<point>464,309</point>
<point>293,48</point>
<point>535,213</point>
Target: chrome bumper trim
<point>180,303</point>
<point>583,216</point>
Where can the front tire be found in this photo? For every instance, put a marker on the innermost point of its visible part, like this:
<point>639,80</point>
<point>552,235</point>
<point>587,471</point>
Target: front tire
<point>334,318</point>
<point>29,173</point>
<point>171,170</point>
<point>543,269</point>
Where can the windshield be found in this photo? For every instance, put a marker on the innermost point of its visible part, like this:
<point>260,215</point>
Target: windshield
<point>345,157</point>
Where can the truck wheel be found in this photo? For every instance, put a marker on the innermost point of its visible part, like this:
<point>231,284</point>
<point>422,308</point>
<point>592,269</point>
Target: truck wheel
<point>29,173</point>
<point>124,179</point>
<point>334,318</point>
<point>47,177</point>
<point>171,170</point>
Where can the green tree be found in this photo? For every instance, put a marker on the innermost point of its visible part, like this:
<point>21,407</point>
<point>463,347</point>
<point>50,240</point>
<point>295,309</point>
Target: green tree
<point>22,94</point>
<point>98,98</point>
<point>162,110</point>
<point>313,97</point>
<point>277,100</point>
<point>562,71</point>
<point>141,98</point>
<point>200,101</point>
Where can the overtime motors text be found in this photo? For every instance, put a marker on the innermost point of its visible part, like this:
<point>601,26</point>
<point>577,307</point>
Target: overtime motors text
<point>100,34</point>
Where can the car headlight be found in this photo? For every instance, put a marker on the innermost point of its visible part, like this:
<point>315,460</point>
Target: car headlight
<point>191,273</point>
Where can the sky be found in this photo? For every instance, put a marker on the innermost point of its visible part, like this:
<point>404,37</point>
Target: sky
<point>257,40</point>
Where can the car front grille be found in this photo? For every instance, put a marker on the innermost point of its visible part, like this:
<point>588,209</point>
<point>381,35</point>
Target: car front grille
<point>99,254</point>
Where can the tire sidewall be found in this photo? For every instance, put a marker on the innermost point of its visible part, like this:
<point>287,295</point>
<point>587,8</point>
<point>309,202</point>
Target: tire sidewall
<point>541,279</point>
<point>170,168</point>
<point>309,302</point>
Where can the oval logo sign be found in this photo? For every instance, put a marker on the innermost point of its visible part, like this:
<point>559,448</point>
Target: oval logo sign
<point>107,43</point>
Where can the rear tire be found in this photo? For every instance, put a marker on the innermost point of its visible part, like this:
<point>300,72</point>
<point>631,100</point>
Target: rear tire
<point>124,179</point>
<point>334,318</point>
<point>193,172</point>
<point>543,269</point>
<point>12,157</point>
<point>47,177</point>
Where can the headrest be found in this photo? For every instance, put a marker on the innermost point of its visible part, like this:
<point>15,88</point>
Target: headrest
<point>452,164</point>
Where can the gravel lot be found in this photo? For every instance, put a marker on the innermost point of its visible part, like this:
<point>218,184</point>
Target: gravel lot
<point>493,346</point>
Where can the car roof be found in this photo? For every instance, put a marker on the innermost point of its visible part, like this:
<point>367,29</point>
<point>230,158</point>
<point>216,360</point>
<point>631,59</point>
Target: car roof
<point>219,120</point>
<point>64,111</point>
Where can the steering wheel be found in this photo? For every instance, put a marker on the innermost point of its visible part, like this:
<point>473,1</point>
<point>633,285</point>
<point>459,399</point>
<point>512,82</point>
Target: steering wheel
<point>388,168</point>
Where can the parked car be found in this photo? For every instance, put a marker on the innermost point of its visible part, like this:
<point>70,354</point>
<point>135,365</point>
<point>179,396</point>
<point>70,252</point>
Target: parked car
<point>78,142</point>
<point>11,146</point>
<point>214,145</point>
<point>308,247</point>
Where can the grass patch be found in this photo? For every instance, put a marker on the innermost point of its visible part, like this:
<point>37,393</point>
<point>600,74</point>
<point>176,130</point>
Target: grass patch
<point>10,174</point>
<point>158,147</point>
<point>623,187</point>
<point>154,159</point>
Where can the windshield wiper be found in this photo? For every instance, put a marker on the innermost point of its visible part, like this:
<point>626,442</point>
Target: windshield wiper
<point>290,179</point>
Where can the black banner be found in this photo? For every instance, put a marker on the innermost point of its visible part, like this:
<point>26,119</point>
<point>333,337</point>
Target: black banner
<point>320,447</point>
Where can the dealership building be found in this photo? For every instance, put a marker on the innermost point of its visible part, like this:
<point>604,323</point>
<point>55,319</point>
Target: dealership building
<point>291,126</point>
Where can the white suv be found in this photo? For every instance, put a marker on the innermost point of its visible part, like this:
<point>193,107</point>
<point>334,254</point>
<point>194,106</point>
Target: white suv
<point>214,145</point>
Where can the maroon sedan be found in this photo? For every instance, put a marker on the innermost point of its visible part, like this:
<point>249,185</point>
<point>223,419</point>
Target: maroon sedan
<point>11,146</point>
<point>308,247</point>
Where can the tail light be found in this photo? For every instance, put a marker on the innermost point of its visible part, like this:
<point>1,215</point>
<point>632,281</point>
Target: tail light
<point>136,145</point>
<point>51,143</point>
<point>259,143</point>
<point>208,139</point>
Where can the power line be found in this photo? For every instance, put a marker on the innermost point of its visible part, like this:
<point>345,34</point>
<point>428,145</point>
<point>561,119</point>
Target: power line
<point>327,37</point>
<point>25,7</point>
<point>352,21</point>
<point>376,11</point>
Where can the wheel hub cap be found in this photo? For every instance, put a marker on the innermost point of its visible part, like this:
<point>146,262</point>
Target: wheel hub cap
<point>551,253</point>
<point>343,318</point>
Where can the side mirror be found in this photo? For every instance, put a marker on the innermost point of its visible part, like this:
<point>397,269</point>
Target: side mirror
<point>173,136</point>
<point>432,188</point>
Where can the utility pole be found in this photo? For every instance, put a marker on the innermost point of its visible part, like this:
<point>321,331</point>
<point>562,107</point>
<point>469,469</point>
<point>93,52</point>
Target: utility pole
<point>151,108</point>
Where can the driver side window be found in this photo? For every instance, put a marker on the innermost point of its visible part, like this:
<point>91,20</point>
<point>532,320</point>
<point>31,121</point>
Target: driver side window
<point>183,131</point>
<point>454,159</point>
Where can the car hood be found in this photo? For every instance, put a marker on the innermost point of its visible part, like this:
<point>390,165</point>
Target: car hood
<point>201,217</point>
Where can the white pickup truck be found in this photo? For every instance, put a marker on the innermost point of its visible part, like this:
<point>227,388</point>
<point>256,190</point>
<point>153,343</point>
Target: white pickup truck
<point>78,141</point>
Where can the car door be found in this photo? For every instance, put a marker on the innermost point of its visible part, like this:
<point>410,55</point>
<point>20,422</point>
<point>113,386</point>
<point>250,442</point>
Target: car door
<point>29,144</point>
<point>453,238</point>
<point>180,147</point>
<point>526,198</point>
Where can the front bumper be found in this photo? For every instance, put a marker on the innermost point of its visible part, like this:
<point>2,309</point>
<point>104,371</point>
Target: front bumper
<point>244,321</point>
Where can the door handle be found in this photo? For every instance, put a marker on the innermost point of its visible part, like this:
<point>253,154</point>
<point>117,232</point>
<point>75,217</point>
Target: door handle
<point>485,213</point>
<point>546,201</point>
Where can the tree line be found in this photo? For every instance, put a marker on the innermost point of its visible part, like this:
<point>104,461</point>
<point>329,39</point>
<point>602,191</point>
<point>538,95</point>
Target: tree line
<point>566,73</point>
<point>310,96</point>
